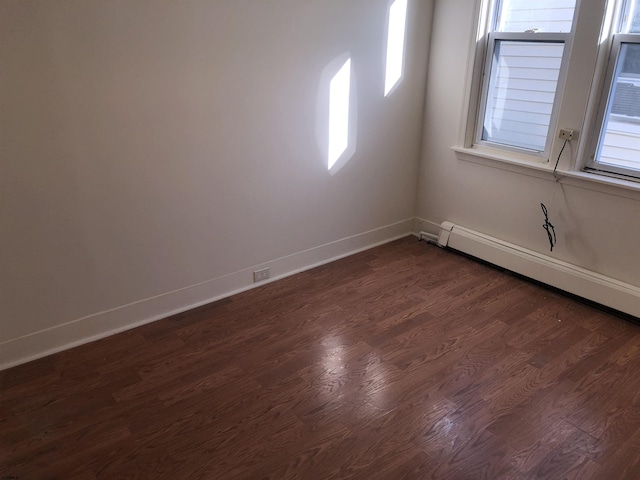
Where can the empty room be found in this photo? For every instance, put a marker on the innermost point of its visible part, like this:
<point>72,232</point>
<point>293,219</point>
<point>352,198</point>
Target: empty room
<point>368,239</point>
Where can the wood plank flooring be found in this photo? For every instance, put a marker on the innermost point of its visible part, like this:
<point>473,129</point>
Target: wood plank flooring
<point>405,361</point>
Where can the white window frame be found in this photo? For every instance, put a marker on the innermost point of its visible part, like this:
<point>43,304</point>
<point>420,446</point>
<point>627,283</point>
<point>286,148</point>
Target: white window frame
<point>579,99</point>
<point>610,52</point>
<point>484,58</point>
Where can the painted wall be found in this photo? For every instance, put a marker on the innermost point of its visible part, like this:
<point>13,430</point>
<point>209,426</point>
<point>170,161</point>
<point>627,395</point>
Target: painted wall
<point>156,146</point>
<point>597,226</point>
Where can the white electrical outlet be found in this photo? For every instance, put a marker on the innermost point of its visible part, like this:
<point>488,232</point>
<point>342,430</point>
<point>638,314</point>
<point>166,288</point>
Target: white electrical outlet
<point>262,274</point>
<point>566,134</point>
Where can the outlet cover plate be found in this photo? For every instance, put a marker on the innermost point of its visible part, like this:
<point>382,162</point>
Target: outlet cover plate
<point>262,274</point>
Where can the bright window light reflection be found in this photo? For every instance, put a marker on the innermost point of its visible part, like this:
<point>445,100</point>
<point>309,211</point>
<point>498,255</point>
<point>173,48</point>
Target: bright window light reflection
<point>339,92</point>
<point>395,44</point>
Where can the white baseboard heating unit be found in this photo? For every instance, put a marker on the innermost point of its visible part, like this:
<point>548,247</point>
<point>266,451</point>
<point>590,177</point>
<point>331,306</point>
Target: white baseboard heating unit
<point>570,278</point>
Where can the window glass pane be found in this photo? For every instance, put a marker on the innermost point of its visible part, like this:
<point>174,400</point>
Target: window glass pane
<point>631,17</point>
<point>620,138</point>
<point>522,88</point>
<point>537,16</point>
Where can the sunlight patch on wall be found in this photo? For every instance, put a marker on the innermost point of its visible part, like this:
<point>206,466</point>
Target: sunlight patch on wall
<point>395,44</point>
<point>339,97</point>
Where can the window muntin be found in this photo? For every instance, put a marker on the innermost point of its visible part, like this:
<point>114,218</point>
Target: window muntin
<point>525,59</point>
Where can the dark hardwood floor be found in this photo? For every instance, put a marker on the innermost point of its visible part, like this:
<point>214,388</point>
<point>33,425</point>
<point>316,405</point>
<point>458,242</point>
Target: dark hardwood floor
<point>405,361</point>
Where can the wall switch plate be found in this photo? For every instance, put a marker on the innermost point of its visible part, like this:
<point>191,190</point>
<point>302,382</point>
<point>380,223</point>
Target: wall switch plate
<point>262,274</point>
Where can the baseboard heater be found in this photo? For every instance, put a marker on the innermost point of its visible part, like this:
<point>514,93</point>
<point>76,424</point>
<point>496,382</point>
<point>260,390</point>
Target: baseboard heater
<point>592,286</point>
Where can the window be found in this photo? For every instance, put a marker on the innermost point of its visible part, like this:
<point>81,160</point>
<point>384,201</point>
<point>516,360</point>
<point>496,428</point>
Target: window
<point>616,146</point>
<point>551,65</point>
<point>525,60</point>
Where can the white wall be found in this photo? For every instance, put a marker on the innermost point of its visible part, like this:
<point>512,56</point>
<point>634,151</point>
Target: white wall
<point>597,226</point>
<point>148,146</point>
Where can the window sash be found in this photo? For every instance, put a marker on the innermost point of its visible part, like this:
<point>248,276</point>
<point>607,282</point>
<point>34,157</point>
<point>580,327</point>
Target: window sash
<point>494,39</point>
<point>542,15</point>
<point>604,113</point>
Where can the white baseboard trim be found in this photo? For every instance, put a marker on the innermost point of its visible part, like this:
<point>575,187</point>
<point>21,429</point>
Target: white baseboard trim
<point>584,283</point>
<point>102,324</point>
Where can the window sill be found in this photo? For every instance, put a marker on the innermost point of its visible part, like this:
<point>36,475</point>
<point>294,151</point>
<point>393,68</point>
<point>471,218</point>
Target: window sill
<point>602,183</point>
<point>533,167</point>
<point>505,160</point>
